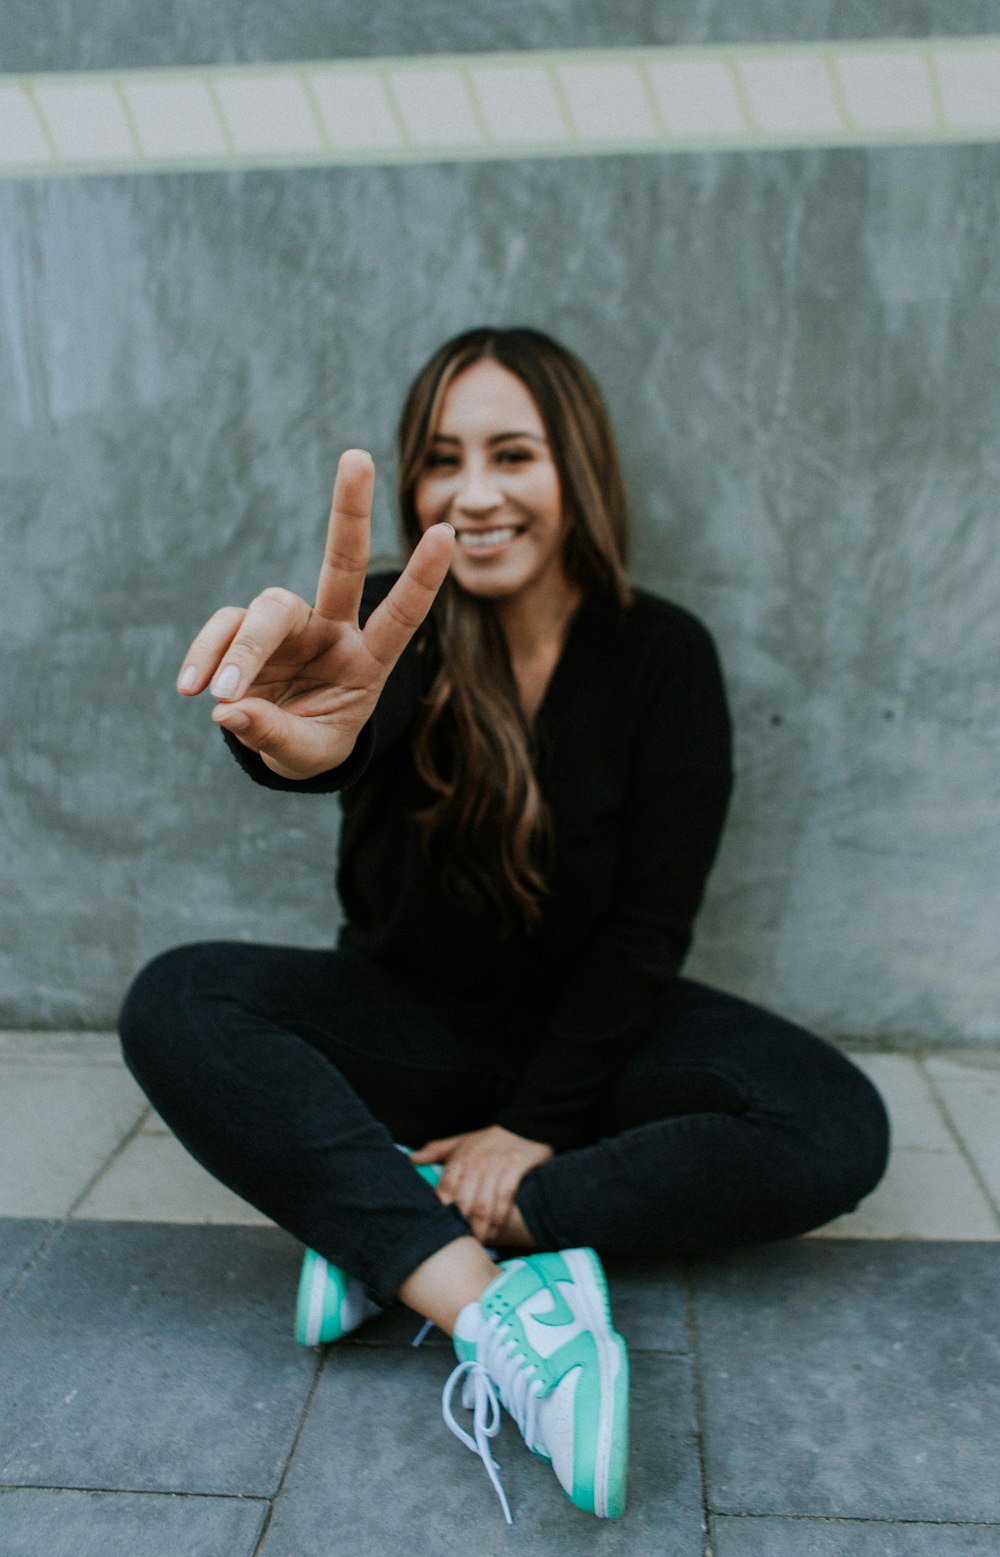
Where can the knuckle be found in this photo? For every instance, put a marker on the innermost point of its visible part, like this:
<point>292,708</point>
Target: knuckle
<point>400,616</point>
<point>279,595</point>
<point>247,648</point>
<point>345,561</point>
<point>224,617</point>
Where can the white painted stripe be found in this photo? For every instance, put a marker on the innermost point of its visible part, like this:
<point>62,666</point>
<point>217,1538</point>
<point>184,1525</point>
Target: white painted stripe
<point>887,91</point>
<point>355,111</point>
<point>519,104</point>
<point>792,96</point>
<point>436,107</point>
<point>698,99</point>
<point>607,101</point>
<point>269,116</point>
<point>174,118</point>
<point>86,120</point>
<point>970,86</point>
<point>573,102</point>
<point>22,139</point>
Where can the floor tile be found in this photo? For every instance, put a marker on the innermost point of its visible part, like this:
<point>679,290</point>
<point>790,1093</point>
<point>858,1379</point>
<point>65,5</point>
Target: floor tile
<point>19,1240</point>
<point>59,1122</point>
<point>970,1091</point>
<point>66,1048</point>
<point>928,1195</point>
<point>850,1538</point>
<point>376,1464</point>
<point>649,1304</point>
<point>39,1523</point>
<point>853,1379</point>
<point>156,1180</point>
<point>915,1117</point>
<point>153,1358</point>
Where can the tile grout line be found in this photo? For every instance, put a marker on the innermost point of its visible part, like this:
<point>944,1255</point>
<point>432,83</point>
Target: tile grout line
<point>134,1492</point>
<point>870,1519</point>
<point>117,1152</point>
<point>699,1410</point>
<point>60,1223</point>
<point>275,1498</point>
<point>957,1136</point>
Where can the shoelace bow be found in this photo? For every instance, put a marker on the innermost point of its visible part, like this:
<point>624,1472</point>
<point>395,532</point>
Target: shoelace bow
<point>497,1372</point>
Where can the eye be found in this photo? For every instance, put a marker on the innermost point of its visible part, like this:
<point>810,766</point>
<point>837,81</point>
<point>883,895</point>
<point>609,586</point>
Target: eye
<point>514,456</point>
<point>434,461</point>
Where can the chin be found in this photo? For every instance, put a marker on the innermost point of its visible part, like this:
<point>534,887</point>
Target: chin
<point>486,586</point>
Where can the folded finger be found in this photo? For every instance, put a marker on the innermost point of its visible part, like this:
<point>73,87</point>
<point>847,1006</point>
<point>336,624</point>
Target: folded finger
<point>269,620</point>
<point>435,1151</point>
<point>454,1188</point>
<point>202,659</point>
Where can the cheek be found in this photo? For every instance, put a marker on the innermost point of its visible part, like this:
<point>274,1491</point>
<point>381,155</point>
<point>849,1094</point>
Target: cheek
<point>426,503</point>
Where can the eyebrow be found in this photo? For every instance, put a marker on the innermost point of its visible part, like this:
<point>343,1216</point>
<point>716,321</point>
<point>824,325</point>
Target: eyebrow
<point>496,438</point>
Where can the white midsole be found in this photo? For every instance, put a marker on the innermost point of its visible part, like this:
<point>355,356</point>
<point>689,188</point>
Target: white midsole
<point>609,1363</point>
<point>314,1321</point>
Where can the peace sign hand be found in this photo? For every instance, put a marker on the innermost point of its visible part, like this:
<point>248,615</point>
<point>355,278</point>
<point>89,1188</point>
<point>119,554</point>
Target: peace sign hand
<point>296,683</point>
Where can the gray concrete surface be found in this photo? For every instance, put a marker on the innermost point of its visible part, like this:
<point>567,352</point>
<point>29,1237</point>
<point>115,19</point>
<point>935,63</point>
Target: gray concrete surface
<point>832,1397</point>
<point>800,350</point>
<point>821,1398</point>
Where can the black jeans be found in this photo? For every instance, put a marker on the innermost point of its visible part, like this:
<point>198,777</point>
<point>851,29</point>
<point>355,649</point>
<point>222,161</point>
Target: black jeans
<point>289,1074</point>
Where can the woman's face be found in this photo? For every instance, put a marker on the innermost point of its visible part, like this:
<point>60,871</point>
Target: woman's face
<point>489,472</point>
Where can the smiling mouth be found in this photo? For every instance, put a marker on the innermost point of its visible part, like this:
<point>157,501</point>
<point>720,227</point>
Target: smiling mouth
<point>473,540</point>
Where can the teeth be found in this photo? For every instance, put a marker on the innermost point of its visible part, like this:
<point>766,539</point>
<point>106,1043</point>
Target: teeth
<point>475,538</point>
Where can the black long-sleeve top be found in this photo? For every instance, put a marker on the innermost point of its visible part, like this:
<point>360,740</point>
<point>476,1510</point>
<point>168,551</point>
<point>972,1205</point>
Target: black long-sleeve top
<point>633,756</point>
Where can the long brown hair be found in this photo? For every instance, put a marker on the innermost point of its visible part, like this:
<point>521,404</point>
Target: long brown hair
<point>487,826</point>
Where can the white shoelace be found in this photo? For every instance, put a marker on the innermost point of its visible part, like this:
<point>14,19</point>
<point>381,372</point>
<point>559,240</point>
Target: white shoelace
<point>498,1371</point>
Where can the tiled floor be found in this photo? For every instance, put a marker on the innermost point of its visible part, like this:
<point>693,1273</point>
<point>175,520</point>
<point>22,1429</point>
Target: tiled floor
<point>838,1395</point>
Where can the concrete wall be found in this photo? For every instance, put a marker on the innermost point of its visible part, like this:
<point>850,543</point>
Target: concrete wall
<point>801,352</point>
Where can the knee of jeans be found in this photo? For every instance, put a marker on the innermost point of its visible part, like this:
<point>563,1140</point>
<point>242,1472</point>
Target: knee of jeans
<point>873,1133</point>
<point>149,1009</point>
<point>862,1161</point>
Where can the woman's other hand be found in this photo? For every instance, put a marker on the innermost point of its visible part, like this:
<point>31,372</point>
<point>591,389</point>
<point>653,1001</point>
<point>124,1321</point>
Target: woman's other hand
<point>483,1169</point>
<point>296,682</point>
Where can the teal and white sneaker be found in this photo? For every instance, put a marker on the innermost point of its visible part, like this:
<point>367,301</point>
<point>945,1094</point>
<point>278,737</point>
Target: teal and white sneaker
<point>330,1303</point>
<point>540,1341</point>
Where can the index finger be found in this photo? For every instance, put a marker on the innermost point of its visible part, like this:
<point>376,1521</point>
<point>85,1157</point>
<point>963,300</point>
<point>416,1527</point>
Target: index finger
<point>348,538</point>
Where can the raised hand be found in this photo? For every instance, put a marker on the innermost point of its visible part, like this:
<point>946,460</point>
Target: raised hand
<point>296,682</point>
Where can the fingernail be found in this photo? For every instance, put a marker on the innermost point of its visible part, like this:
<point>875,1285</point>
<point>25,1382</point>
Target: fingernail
<point>449,526</point>
<point>234,719</point>
<point>188,678</point>
<point>226,682</point>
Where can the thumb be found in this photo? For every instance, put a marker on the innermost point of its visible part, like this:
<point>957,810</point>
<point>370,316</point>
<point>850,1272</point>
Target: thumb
<point>292,747</point>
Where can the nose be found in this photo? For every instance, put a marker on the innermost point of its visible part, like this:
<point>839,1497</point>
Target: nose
<point>478,494</point>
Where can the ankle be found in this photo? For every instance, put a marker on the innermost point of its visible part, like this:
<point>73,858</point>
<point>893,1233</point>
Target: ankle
<point>514,1233</point>
<point>448,1280</point>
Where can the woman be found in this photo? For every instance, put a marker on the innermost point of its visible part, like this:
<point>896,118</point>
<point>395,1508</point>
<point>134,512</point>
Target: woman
<point>534,765</point>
